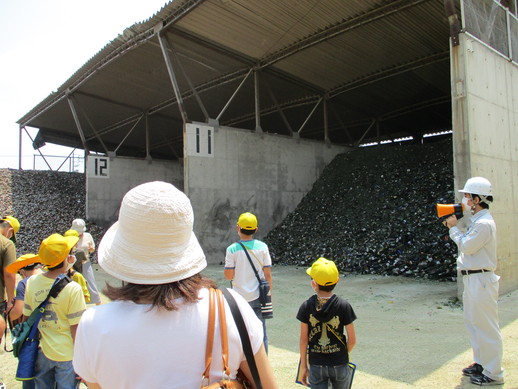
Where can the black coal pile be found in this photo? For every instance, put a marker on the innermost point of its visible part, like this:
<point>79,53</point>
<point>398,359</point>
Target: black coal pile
<point>372,211</point>
<point>44,202</point>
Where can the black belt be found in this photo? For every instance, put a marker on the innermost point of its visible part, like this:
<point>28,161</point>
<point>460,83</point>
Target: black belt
<point>468,272</point>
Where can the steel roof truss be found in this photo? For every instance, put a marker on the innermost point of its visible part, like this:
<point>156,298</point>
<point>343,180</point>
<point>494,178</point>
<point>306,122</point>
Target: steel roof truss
<point>166,47</point>
<point>93,128</point>
<point>193,89</point>
<point>281,112</point>
<point>129,132</point>
<point>70,99</point>
<point>366,132</point>
<point>32,140</point>
<point>234,94</point>
<point>342,125</point>
<point>309,116</point>
<point>257,102</point>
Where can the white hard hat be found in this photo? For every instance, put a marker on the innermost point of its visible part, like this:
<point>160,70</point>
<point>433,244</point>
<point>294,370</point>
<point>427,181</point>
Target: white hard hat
<point>479,186</point>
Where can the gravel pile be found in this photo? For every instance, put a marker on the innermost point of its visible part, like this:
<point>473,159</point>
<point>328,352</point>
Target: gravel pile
<point>372,211</point>
<point>44,202</point>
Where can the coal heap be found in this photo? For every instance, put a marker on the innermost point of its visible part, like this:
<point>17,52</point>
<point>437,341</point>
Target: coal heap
<point>372,211</point>
<point>45,203</point>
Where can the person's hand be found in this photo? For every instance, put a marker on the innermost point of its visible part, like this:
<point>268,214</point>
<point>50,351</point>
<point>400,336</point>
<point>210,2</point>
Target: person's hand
<point>304,376</point>
<point>451,221</point>
<point>10,304</point>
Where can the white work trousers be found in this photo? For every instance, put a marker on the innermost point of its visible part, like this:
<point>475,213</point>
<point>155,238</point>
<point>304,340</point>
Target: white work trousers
<point>480,300</point>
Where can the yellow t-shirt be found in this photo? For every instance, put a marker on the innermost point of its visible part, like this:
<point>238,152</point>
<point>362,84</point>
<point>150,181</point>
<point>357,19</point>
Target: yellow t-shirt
<point>80,279</point>
<point>62,312</point>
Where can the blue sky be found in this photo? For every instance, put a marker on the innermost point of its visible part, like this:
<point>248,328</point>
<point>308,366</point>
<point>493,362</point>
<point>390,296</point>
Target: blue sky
<point>43,42</point>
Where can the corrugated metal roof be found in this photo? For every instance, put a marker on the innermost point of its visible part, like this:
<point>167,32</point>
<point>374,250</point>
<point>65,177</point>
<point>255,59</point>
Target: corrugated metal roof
<point>373,60</point>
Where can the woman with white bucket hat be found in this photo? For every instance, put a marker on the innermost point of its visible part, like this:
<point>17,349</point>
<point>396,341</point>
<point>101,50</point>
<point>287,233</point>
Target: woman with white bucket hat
<point>154,332</point>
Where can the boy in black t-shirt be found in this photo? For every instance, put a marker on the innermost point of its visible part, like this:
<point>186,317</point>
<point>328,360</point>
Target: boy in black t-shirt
<point>323,318</point>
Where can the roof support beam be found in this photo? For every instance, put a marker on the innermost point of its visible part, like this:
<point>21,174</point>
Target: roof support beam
<point>78,123</point>
<point>94,130</point>
<point>366,132</point>
<point>309,116</point>
<point>326,125</point>
<point>128,134</point>
<point>148,155</point>
<point>257,102</point>
<point>344,127</point>
<point>281,112</point>
<point>42,156</point>
<point>20,142</point>
<point>193,89</point>
<point>164,45</point>
<point>234,94</point>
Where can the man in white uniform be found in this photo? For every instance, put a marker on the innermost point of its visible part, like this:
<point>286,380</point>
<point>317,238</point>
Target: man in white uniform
<point>477,262</point>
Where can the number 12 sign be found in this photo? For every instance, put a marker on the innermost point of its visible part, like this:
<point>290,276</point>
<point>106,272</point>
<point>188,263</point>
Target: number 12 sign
<point>99,167</point>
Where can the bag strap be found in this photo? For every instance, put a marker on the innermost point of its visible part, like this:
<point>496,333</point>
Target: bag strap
<point>251,263</point>
<point>59,283</point>
<point>223,331</point>
<point>216,303</point>
<point>243,334</point>
<point>210,336</point>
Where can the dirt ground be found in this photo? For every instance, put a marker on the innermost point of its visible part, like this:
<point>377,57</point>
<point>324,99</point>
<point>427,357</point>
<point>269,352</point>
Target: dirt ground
<point>410,332</point>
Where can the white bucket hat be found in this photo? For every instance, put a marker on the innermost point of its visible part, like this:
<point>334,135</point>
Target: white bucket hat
<point>79,225</point>
<point>153,241</point>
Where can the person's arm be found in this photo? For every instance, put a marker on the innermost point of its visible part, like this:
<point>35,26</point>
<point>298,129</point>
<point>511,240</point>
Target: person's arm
<point>263,367</point>
<point>73,331</point>
<point>10,285</point>
<point>91,244</point>
<point>229,273</point>
<point>268,276</point>
<point>303,348</point>
<point>17,310</point>
<point>351,337</point>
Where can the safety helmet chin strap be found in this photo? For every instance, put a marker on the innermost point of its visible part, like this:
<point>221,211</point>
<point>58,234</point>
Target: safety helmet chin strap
<point>483,199</point>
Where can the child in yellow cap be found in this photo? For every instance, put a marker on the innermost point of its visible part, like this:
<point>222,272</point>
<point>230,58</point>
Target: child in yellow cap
<point>323,318</point>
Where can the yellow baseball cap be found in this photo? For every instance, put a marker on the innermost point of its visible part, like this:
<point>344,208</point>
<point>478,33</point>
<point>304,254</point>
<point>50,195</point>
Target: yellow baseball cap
<point>14,223</point>
<point>324,272</point>
<point>71,233</point>
<point>247,221</point>
<point>24,260</point>
<point>55,249</point>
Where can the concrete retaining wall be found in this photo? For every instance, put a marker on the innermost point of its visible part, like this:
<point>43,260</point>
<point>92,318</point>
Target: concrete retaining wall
<point>105,192</point>
<point>262,173</point>
<point>485,138</point>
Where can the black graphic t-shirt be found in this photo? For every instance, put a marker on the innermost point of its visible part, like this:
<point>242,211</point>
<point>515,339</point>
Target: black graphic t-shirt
<point>327,342</point>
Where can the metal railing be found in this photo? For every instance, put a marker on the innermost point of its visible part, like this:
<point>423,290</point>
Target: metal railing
<point>492,24</point>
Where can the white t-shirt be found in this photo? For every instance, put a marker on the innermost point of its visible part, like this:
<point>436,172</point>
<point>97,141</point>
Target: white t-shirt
<point>245,282</point>
<point>124,345</point>
<point>85,242</point>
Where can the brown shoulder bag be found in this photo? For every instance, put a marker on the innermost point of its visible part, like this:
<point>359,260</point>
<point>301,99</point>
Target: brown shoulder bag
<point>215,296</point>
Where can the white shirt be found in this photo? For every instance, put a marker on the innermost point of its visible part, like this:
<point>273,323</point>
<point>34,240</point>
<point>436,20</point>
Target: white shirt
<point>86,242</point>
<point>245,282</point>
<point>125,345</point>
<point>477,246</point>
